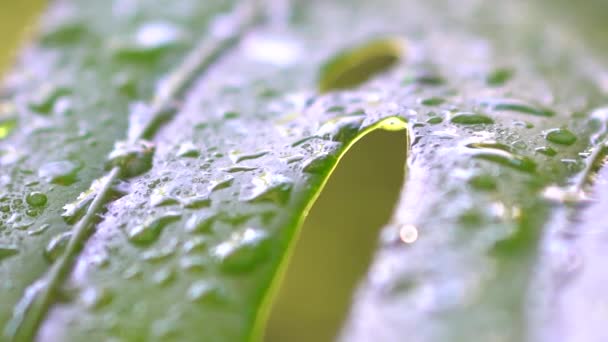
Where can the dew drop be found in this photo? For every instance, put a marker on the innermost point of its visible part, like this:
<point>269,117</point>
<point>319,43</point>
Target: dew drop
<point>164,276</point>
<point>132,158</point>
<point>221,184</point>
<point>196,244</point>
<point>500,153</point>
<point>546,150</point>
<point>188,150</point>
<point>196,202</point>
<point>270,188</point>
<point>319,163</point>
<point>408,233</point>
<point>148,232</point>
<point>242,251</point>
<point>237,157</point>
<point>435,120</point>
<point>560,136</point>
<point>193,263</point>
<point>205,291</point>
<point>355,66</point>
<point>341,129</point>
<point>36,199</point>
<point>7,250</point>
<point>44,100</point>
<point>483,182</point>
<point>432,101</point>
<point>471,119</point>
<point>500,76</point>
<point>96,298</point>
<point>201,222</point>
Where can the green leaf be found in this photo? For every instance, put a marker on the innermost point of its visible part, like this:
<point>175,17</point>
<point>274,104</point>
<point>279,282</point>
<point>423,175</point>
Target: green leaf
<point>221,124</point>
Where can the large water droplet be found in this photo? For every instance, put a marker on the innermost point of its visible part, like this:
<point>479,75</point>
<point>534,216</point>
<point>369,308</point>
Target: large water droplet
<point>60,172</point>
<point>8,250</point>
<point>188,150</point>
<point>149,40</point>
<point>201,222</point>
<point>357,65</point>
<point>149,231</point>
<point>242,251</point>
<point>44,100</point>
<point>341,129</point>
<point>514,105</point>
<point>36,199</point>
<point>500,153</point>
<point>95,298</point>
<point>500,76</point>
<point>471,119</point>
<point>132,158</point>
<point>238,157</point>
<point>206,291</point>
<point>270,187</point>
<point>561,136</point>
<point>318,163</point>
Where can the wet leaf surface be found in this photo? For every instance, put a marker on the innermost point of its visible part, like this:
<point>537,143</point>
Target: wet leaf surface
<point>217,148</point>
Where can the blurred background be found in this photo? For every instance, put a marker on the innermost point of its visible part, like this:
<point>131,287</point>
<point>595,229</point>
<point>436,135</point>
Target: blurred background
<point>340,234</point>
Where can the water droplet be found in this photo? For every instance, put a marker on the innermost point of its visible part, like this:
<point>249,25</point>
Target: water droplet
<point>408,233</point>
<point>44,99</point>
<point>132,158</point>
<point>148,232</point>
<point>60,172</point>
<point>7,250</point>
<point>546,150</point>
<point>318,163</point>
<point>95,298</point>
<point>149,39</point>
<point>236,169</point>
<point>206,291</point>
<point>237,157</point>
<point>164,276</point>
<point>432,101</point>
<point>471,119</point>
<point>160,254</point>
<point>193,263</point>
<point>560,136</point>
<point>73,211</point>
<point>435,120</point>
<point>7,126</point>
<point>270,188</point>
<point>500,153</point>
<point>341,129</point>
<point>221,184</point>
<point>36,199</point>
<point>355,66</point>
<point>196,202</point>
<point>188,150</point>
<point>514,105</point>
<point>195,245</point>
<point>39,230</point>
<point>500,76</point>
<point>55,248</point>
<point>242,251</point>
<point>483,182</point>
<point>425,78</point>
<point>201,222</point>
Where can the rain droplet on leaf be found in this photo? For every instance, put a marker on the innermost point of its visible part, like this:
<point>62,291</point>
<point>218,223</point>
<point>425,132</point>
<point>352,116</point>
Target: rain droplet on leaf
<point>355,66</point>
<point>148,232</point>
